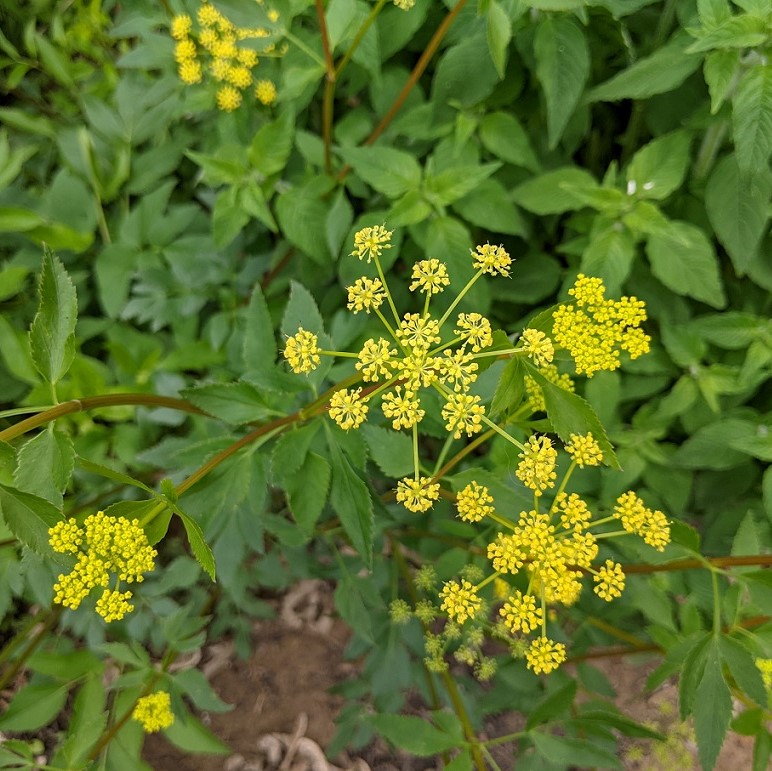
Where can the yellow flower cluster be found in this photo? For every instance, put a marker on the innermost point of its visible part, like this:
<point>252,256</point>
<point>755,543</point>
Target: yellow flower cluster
<point>154,712</point>
<point>415,353</point>
<point>765,667</point>
<point>215,48</point>
<point>594,330</point>
<point>553,548</point>
<point>105,546</point>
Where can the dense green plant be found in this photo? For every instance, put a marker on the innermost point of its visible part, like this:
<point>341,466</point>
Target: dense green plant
<point>202,172</point>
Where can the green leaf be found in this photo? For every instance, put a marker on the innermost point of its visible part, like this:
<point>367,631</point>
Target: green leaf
<point>88,720</point>
<point>16,220</point>
<point>45,465</point>
<point>503,135</point>
<point>189,734</point>
<point>752,119</point>
<point>391,450</point>
<point>350,498</point>
<point>553,706</point>
<point>410,209</point>
<point>194,684</point>
<point>355,603</point>
<point>572,752</point>
<point>712,709</point>
<point>272,145</point>
<point>301,311</point>
<point>389,171</point>
<point>562,66</point>
<point>700,449</point>
<point>464,75</point>
<point>259,351</point>
<point>683,260</point>
<point>570,414</point>
<point>413,734</point>
<point>449,185</point>
<point>664,70</point>
<point>554,192</point>
<point>198,544</point>
<point>228,217</point>
<point>744,31</point>
<point>610,255</point>
<point>737,209</point>
<point>510,388</point>
<point>156,528</point>
<point>489,207</point>
<point>29,518</point>
<point>658,168</point>
<point>733,330</point>
<point>307,492</point>
<point>720,68</point>
<point>52,335</point>
<point>499,35</point>
<point>302,215</point>
<point>743,669</point>
<point>235,403</point>
<point>110,473</point>
<point>34,706</point>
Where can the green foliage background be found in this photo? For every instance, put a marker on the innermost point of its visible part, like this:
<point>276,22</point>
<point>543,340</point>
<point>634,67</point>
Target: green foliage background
<point>627,139</point>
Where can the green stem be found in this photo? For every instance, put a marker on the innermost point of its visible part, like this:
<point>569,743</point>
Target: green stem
<point>329,88</point>
<point>716,603</point>
<point>415,452</point>
<point>491,760</point>
<point>33,642</point>
<point>505,352</point>
<point>25,410</point>
<point>504,739</point>
<point>488,422</point>
<point>459,297</point>
<point>303,47</point>
<point>562,487</point>
<point>93,403</point>
<point>460,709</point>
<point>386,288</point>
<point>613,534</point>
<point>443,453</point>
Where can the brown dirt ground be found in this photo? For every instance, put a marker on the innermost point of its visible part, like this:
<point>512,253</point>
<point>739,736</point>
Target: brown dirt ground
<point>284,713</point>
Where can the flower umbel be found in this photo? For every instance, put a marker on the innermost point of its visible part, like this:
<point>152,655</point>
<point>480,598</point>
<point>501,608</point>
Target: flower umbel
<point>302,351</point>
<point>417,494</point>
<point>154,712</point>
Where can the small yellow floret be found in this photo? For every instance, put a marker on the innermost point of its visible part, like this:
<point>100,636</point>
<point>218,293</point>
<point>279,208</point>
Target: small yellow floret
<point>375,360</point>
<point>265,92</point>
<point>429,276</point>
<point>208,15</point>
<point>520,613</point>
<point>492,260</point>
<point>538,347</point>
<point>463,413</point>
<point>584,450</point>
<point>460,601</point>
<point>190,72</point>
<point>154,712</point>
<point>240,77</point>
<point>418,332</point>
<point>302,351</point>
<point>181,26</point>
<point>247,57</point>
<point>417,494</point>
<point>610,580</point>
<point>365,294</point>
<point>475,330</point>
<point>184,51</point>
<point>347,409</point>
<point>370,242</point>
<point>228,99</point>
<point>403,409</point>
<point>545,655</point>
<point>474,502</point>
<point>536,469</point>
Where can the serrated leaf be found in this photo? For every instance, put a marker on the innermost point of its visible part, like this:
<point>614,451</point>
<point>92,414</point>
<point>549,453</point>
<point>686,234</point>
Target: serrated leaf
<point>88,720</point>
<point>302,214</point>
<point>235,403</point>
<point>720,68</point>
<point>658,168</point>
<point>499,35</point>
<point>488,206</point>
<point>553,706</point>
<point>391,450</point>
<point>503,135</point>
<point>413,734</point>
<point>699,450</point>
<point>712,709</point>
<point>570,414</point>
<point>752,119</point>
<point>682,258</point>
<point>387,170</point>
<point>45,465</point>
<point>451,184</point>
<point>572,752</point>
<point>29,517</point>
<point>52,334</point>
<point>609,256</point>
<point>350,498</point>
<point>194,684</point>
<point>743,669</point>
<point>554,192</point>
<point>110,473</point>
<point>307,492</point>
<point>259,350</point>
<point>189,734</point>
<point>34,706</point>
<point>272,145</point>
<point>562,66</point>
<point>198,544</point>
<point>510,389</point>
<point>662,71</point>
<point>743,31</point>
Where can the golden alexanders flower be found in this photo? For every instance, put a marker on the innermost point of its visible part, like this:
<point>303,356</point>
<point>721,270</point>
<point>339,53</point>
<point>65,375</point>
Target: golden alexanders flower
<point>584,450</point>
<point>520,613</point>
<point>637,518</point>
<point>536,469</point>
<point>370,242</point>
<point>365,294</point>
<point>460,600</point>
<point>475,330</point>
<point>545,655</point>
<point>153,712</point>
<point>429,276</point>
<point>538,347</point>
<point>457,369</point>
<point>302,351</point>
<point>418,332</point>
<point>594,330</point>
<point>463,414</point>
<point>474,502</point>
<point>610,581</point>
<point>404,410</point>
<point>265,92</point>
<point>347,409</point>
<point>492,260</point>
<point>376,360</point>
<point>105,547</point>
<point>417,494</point>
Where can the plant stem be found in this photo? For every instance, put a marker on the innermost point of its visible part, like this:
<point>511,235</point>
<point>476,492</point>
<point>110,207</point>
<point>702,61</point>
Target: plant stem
<point>488,422</point>
<point>95,402</point>
<point>29,648</point>
<point>329,88</point>
<point>361,32</point>
<point>458,706</point>
<point>462,453</point>
<point>459,297</point>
